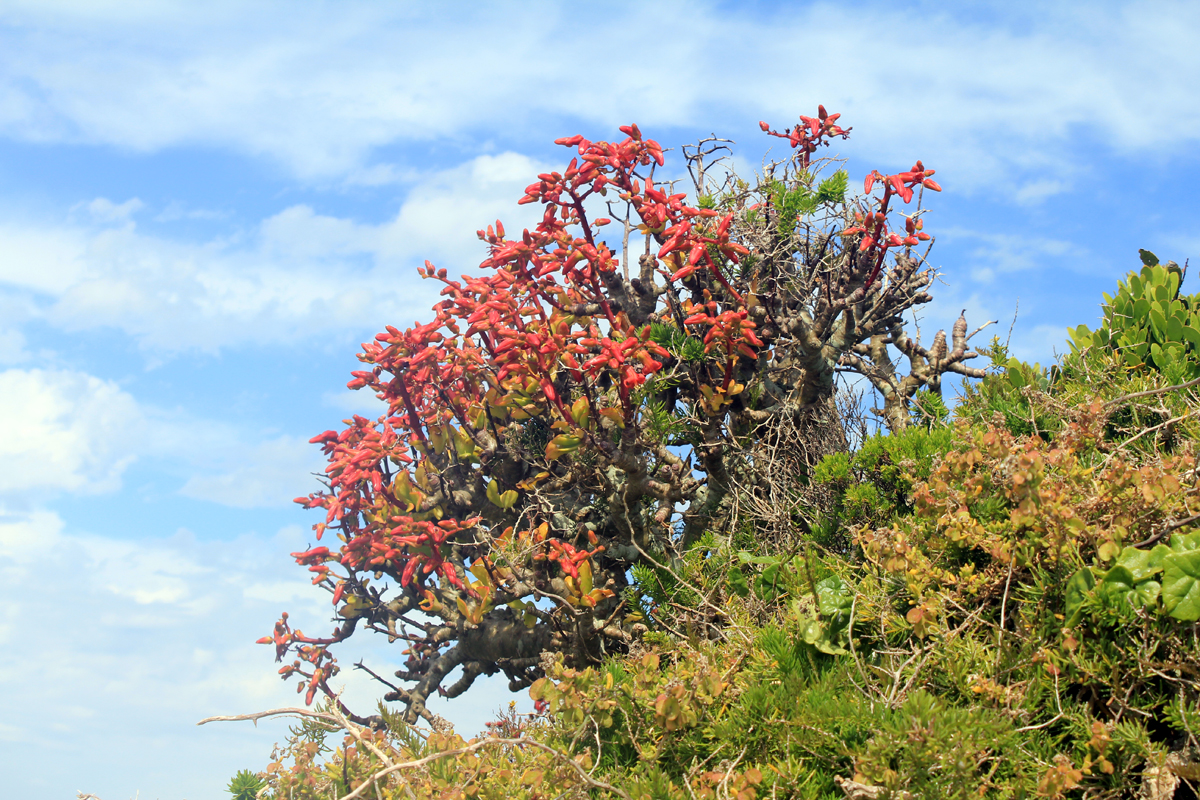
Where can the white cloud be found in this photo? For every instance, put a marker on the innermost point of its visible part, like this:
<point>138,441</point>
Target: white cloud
<point>1039,343</point>
<point>1036,191</point>
<point>303,274</point>
<point>265,475</point>
<point>987,88</point>
<point>104,210</point>
<point>175,210</point>
<point>362,402</point>
<point>12,347</point>
<point>25,539</point>
<point>42,259</point>
<point>380,175</point>
<point>63,431</point>
<point>67,431</point>
<point>1007,252</point>
<point>125,645</point>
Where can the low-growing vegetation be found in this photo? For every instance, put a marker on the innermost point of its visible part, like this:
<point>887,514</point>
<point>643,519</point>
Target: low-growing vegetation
<point>714,583</point>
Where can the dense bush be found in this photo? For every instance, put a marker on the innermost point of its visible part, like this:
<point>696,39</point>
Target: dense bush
<point>576,418</point>
<point>998,602</point>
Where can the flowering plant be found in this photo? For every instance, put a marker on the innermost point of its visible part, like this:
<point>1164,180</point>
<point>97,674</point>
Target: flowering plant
<point>570,416</point>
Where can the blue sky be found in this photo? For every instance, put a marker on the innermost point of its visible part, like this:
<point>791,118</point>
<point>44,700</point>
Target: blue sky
<point>204,208</point>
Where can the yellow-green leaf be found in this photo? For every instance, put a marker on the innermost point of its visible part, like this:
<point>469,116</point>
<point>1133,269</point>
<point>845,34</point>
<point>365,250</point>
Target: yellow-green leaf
<point>561,445</point>
<point>585,576</point>
<point>463,446</point>
<point>579,411</point>
<point>615,415</point>
<point>505,500</point>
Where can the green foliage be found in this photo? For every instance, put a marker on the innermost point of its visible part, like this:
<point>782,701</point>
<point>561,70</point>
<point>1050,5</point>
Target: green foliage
<point>677,342</point>
<point>1164,580</point>
<point>801,200</point>
<point>245,785</point>
<point>1009,391</point>
<point>933,749</point>
<point>929,410</point>
<point>1149,324</point>
<point>875,483</point>
<point>1002,606</point>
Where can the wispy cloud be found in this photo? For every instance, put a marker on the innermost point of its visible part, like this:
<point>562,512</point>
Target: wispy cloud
<point>63,431</point>
<point>991,254</point>
<point>987,95</point>
<point>302,274</point>
<point>129,644</point>
<point>265,475</point>
<point>68,431</point>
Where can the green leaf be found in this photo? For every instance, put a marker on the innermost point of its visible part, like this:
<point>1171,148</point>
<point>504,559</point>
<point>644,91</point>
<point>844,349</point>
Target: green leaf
<point>1181,585</point>
<point>1119,588</point>
<point>767,584</point>
<point>833,189</point>
<point>736,579</point>
<point>1148,258</point>
<point>833,597</point>
<point>1016,376</point>
<point>579,412</point>
<point>1081,337</point>
<point>1142,564</point>
<point>1078,588</point>
<point>819,636</point>
<point>1146,594</point>
<point>1185,542</point>
<point>1158,320</point>
<point>835,603</point>
<point>1174,329</point>
<point>505,500</point>
<point>562,444</point>
<point>464,447</point>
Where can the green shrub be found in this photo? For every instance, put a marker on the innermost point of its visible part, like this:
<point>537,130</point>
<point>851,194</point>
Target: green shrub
<point>245,785</point>
<point>1005,606</point>
<point>1149,323</point>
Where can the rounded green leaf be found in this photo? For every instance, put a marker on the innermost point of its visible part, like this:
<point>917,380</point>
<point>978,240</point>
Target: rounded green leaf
<point>1174,329</point>
<point>736,579</point>
<point>1120,588</point>
<point>1159,321</point>
<point>1142,564</point>
<point>1184,542</point>
<point>1181,585</point>
<point>1081,337</point>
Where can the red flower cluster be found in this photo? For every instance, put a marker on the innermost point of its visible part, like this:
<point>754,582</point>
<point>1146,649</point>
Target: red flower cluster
<point>536,335</point>
<point>877,236</point>
<point>810,134</point>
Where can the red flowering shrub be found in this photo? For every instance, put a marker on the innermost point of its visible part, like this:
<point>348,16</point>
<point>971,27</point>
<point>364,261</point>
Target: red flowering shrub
<point>568,415</point>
